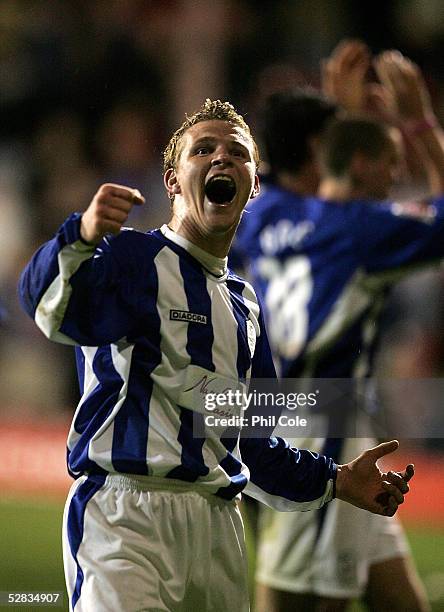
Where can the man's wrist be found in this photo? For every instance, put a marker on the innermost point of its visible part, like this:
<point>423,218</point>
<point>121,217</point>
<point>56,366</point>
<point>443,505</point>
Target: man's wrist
<point>83,235</point>
<point>340,483</point>
<point>85,242</point>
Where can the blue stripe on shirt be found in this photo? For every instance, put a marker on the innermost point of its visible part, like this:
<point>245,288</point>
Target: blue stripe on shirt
<point>233,468</point>
<point>200,337</point>
<point>131,423</point>
<point>193,464</point>
<point>95,409</point>
<point>129,451</point>
<point>80,365</point>
<point>199,347</point>
<point>241,313</point>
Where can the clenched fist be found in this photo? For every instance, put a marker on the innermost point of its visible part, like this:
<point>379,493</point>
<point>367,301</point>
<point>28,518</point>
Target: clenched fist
<point>108,211</point>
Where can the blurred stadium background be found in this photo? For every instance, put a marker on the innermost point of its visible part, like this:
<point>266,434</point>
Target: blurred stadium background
<point>89,91</point>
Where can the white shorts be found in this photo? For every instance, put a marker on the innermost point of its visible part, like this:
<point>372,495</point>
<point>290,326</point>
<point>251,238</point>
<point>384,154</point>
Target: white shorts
<point>326,552</point>
<point>131,544</point>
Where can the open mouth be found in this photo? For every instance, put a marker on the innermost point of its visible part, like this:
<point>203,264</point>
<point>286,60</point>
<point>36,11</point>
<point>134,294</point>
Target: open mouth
<point>220,189</point>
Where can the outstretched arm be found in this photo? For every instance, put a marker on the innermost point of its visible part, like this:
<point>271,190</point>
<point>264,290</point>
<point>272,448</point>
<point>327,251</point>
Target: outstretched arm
<point>362,483</point>
<point>75,291</point>
<point>289,479</point>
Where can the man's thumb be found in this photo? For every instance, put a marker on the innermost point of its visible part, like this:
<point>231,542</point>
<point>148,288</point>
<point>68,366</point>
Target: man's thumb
<point>384,449</point>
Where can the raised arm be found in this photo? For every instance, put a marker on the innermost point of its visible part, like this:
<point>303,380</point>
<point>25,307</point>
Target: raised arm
<point>412,106</point>
<point>71,288</point>
<point>343,75</point>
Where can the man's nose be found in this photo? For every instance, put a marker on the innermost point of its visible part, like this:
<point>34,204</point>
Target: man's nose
<point>221,158</point>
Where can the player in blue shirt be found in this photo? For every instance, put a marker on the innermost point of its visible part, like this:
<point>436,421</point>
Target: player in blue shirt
<point>159,322</point>
<point>323,266</point>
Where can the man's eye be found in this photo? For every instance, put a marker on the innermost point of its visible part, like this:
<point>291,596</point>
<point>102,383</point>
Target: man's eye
<point>202,151</point>
<point>238,153</point>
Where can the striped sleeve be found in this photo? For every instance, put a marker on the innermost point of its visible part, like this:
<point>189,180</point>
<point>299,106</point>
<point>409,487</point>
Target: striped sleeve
<point>78,294</point>
<point>286,478</point>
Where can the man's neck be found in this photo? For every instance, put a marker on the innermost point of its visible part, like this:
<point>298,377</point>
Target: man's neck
<point>215,244</point>
<point>216,265</point>
<point>339,190</point>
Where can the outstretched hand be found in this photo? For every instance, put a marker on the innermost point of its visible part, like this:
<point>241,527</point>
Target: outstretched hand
<point>362,483</point>
<point>108,211</point>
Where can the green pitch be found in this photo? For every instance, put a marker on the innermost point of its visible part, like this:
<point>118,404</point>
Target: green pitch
<point>31,555</point>
<point>30,549</point>
<point>427,547</point>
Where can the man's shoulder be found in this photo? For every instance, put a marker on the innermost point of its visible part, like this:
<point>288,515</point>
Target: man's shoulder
<point>132,247</point>
<point>132,238</point>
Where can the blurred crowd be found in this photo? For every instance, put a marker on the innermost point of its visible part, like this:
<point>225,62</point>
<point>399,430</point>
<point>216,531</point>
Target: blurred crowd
<point>90,91</point>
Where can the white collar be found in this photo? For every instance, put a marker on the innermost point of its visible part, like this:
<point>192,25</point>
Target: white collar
<point>215,265</point>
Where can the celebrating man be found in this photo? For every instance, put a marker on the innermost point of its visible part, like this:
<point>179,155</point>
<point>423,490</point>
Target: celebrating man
<point>151,522</point>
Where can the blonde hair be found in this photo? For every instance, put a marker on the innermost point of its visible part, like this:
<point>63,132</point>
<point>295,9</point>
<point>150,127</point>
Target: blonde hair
<point>210,110</point>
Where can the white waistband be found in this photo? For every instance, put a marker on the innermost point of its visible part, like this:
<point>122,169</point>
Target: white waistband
<point>154,483</point>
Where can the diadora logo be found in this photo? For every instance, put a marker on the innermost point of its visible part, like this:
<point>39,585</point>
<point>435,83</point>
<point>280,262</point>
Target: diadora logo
<point>185,315</point>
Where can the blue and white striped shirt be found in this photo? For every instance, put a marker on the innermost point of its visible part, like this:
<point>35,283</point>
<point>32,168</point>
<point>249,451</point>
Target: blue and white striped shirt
<point>152,316</point>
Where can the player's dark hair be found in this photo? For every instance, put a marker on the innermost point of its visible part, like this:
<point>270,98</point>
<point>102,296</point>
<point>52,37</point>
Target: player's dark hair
<point>345,137</point>
<point>289,120</point>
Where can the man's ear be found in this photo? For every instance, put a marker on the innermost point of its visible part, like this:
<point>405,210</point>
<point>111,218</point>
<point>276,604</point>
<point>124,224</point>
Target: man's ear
<point>256,187</point>
<point>171,184</point>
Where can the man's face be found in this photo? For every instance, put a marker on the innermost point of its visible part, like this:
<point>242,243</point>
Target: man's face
<point>212,152</point>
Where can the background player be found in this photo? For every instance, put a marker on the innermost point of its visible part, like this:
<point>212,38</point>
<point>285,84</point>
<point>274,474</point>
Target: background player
<point>322,311</point>
<point>151,521</point>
